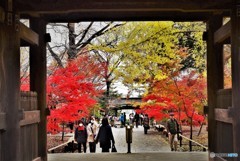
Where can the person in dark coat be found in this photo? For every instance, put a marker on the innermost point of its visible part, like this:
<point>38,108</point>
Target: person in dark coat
<point>105,136</point>
<point>146,122</point>
<point>81,137</point>
<point>124,118</point>
<point>136,118</point>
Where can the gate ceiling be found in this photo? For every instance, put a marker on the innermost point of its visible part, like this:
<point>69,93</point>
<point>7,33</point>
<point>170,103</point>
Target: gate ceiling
<point>102,10</point>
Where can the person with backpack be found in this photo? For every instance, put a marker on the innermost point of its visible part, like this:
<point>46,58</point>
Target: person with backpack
<point>81,137</point>
<point>172,129</point>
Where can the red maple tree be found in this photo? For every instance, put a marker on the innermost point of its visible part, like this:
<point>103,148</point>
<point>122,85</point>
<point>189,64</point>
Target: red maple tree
<point>185,95</point>
<point>72,92</point>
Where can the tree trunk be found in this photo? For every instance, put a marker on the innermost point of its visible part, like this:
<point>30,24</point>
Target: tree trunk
<point>108,84</point>
<point>72,51</point>
<point>63,130</point>
<point>191,135</point>
<point>199,132</point>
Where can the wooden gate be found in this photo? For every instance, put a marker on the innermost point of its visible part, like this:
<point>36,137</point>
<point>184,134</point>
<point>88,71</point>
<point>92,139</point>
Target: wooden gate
<point>29,127</point>
<point>224,105</point>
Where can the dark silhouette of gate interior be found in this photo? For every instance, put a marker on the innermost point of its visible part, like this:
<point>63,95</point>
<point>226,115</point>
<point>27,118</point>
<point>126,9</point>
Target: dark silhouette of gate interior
<point>23,115</point>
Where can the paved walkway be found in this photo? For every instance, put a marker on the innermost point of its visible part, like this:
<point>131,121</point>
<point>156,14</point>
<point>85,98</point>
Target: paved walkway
<point>151,142</point>
<point>150,147</point>
<point>151,156</point>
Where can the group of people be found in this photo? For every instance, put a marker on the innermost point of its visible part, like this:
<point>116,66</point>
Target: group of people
<point>92,133</point>
<point>137,119</point>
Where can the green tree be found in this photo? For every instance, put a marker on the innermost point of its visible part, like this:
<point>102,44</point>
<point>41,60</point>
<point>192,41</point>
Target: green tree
<point>190,38</point>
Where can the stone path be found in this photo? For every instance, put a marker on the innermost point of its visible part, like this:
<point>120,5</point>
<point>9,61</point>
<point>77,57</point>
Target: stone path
<point>151,142</point>
<point>149,147</point>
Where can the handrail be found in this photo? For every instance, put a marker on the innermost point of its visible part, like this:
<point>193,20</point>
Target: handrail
<point>194,141</point>
<point>69,140</point>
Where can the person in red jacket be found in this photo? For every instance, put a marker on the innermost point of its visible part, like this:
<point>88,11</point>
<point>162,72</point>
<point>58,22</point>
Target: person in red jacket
<point>81,137</point>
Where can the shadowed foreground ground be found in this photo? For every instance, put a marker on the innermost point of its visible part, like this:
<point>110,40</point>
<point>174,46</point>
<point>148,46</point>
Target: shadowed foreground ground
<point>150,156</point>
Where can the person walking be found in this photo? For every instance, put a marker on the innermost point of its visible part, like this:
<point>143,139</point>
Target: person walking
<point>172,129</point>
<point>141,119</point>
<point>92,129</point>
<point>131,118</point>
<point>146,123</point>
<point>122,120</point>
<point>81,137</point>
<point>105,136</point>
<point>136,119</point>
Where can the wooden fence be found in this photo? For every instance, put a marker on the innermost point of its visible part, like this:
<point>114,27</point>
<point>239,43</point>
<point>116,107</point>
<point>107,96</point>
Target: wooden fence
<point>29,126</point>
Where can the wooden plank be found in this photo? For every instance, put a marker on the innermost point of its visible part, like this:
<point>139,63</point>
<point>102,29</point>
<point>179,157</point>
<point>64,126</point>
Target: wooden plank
<point>30,117</point>
<point>37,159</point>
<point>69,140</point>
<point>219,159</point>
<point>2,15</point>
<point>128,16</point>
<point>214,76</point>
<point>223,33</point>
<point>2,121</point>
<point>63,6</point>
<point>193,141</point>
<point>223,115</point>
<point>9,73</point>
<point>224,98</point>
<point>38,73</point>
<point>235,50</point>
<point>124,10</point>
<point>28,35</point>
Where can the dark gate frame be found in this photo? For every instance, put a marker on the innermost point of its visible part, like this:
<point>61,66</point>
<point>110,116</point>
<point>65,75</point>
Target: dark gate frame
<point>223,104</point>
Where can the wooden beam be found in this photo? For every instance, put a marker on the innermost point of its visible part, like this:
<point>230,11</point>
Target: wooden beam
<point>217,158</point>
<point>30,117</point>
<point>2,121</point>
<point>223,115</point>
<point>127,16</point>
<point>193,141</point>
<point>69,140</point>
<point>2,15</point>
<point>64,6</point>
<point>38,73</point>
<point>223,33</point>
<point>37,159</point>
<point>235,50</point>
<point>214,77</point>
<point>224,98</point>
<point>28,35</point>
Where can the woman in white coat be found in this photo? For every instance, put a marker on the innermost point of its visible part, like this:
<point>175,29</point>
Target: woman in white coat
<point>92,129</point>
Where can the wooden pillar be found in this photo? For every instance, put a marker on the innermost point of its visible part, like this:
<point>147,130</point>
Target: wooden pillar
<point>214,76</point>
<point>235,44</point>
<point>38,81</point>
<point>9,92</point>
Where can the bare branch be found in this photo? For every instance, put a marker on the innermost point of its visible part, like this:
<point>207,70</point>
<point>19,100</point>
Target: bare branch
<point>54,55</point>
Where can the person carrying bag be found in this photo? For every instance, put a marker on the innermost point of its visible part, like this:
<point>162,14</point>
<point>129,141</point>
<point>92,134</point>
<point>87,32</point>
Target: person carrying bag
<point>114,150</point>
